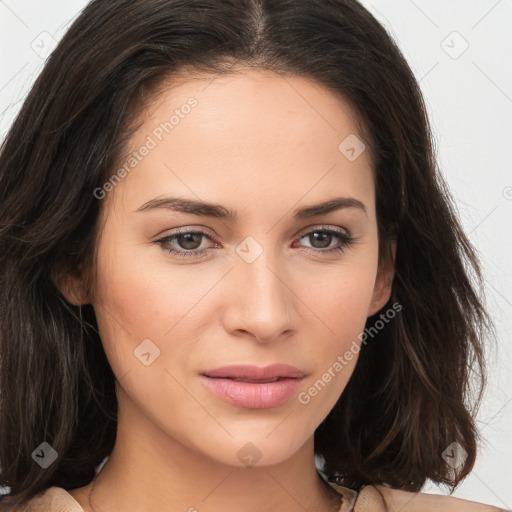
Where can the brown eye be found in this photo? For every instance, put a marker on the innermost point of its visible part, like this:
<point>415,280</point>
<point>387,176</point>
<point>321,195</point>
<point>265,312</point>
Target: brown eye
<point>184,243</point>
<point>321,240</point>
<point>189,241</point>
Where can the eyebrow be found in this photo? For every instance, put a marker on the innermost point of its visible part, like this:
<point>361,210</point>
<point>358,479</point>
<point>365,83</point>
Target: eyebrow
<point>220,212</point>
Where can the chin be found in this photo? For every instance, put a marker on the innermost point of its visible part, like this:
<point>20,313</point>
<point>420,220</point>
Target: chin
<point>250,451</point>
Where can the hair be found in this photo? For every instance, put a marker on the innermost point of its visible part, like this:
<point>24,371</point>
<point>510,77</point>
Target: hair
<point>418,381</point>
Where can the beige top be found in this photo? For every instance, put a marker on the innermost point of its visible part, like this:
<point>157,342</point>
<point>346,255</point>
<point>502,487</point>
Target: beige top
<point>370,499</point>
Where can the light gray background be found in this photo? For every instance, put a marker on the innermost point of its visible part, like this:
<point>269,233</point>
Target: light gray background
<point>460,53</point>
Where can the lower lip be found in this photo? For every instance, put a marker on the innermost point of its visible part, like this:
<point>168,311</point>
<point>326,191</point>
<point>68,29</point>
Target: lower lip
<point>253,395</point>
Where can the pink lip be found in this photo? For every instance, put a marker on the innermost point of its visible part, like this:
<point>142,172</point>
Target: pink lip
<point>259,393</point>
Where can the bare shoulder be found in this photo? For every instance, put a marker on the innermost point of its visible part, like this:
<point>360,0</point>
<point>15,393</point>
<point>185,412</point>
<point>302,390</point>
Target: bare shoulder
<point>394,500</point>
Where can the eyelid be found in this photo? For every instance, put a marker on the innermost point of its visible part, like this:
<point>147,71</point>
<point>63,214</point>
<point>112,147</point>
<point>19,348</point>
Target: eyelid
<point>322,227</point>
<point>183,229</point>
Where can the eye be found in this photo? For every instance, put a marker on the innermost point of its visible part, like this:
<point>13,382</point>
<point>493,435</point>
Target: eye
<point>324,237</point>
<point>189,242</point>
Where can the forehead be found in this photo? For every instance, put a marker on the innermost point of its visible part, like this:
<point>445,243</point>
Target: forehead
<point>249,134</point>
<point>258,103</point>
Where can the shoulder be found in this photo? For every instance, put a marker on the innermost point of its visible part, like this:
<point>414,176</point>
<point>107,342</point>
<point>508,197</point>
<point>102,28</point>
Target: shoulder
<point>50,499</point>
<point>378,497</point>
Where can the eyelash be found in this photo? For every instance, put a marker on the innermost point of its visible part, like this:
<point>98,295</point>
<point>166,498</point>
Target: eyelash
<point>344,237</point>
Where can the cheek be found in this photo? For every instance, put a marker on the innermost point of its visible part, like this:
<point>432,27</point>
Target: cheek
<point>142,300</point>
<point>343,298</point>
<point>341,294</point>
<point>141,296</point>
<point>125,297</point>
<point>340,300</point>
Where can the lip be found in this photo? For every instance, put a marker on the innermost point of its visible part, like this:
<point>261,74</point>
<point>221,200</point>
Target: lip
<point>246,371</point>
<point>259,388</point>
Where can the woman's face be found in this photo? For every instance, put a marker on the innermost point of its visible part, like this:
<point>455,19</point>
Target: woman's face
<point>270,286</point>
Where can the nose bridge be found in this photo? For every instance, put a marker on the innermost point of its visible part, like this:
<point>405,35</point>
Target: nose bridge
<point>263,296</point>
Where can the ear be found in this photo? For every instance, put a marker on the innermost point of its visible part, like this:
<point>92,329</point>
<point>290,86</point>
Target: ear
<point>384,280</point>
<point>72,287</point>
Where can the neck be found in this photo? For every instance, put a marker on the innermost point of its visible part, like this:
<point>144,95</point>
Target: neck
<point>149,470</point>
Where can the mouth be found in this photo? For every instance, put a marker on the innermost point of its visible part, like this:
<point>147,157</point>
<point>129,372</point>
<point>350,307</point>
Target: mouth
<point>259,381</point>
<point>252,387</point>
<point>246,373</point>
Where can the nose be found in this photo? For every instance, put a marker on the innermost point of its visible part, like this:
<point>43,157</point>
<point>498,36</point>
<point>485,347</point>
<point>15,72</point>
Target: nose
<point>261,304</point>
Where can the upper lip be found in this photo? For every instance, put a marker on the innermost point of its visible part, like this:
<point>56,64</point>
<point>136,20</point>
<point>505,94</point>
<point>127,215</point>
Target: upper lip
<point>272,371</point>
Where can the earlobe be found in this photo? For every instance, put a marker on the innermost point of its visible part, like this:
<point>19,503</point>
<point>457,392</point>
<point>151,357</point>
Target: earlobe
<point>383,281</point>
<point>71,287</point>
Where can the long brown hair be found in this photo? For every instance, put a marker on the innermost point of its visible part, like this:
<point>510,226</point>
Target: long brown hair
<point>409,396</point>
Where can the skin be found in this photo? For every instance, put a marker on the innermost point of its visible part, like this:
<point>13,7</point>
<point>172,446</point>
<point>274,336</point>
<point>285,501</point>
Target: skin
<point>262,145</point>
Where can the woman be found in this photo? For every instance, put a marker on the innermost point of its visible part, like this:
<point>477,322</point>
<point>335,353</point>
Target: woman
<point>231,275</point>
